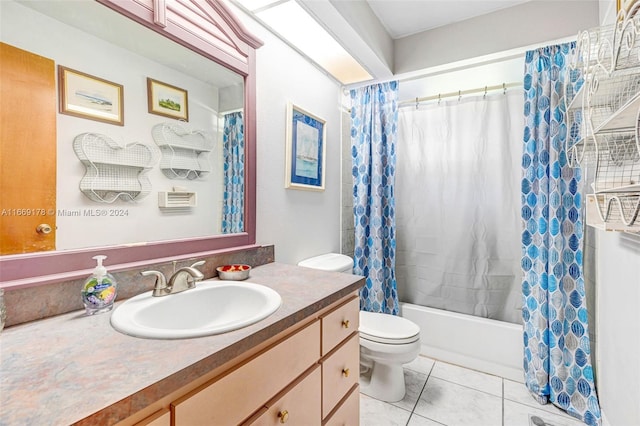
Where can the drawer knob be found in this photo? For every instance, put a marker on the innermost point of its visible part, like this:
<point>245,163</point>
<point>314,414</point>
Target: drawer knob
<point>345,372</point>
<point>283,416</point>
<point>345,324</point>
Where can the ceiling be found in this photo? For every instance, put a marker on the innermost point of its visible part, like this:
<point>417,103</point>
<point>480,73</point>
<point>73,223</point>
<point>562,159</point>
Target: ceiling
<point>402,18</point>
<point>383,39</point>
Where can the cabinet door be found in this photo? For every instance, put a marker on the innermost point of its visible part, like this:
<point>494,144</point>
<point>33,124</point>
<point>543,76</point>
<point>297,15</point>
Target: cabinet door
<point>299,405</point>
<point>159,418</point>
<point>233,397</point>
<point>27,151</point>
<point>340,371</point>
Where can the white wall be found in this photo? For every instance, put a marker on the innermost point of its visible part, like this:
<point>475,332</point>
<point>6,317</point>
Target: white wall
<point>618,327</point>
<point>301,224</point>
<point>530,23</point>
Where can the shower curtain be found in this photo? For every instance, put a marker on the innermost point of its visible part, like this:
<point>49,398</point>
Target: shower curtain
<point>233,153</point>
<point>557,361</point>
<point>374,118</point>
<point>458,205</point>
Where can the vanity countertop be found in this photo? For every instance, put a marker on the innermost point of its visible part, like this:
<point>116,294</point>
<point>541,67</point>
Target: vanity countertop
<point>76,368</point>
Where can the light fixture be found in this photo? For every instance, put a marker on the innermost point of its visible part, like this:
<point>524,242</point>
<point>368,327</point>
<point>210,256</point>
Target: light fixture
<point>294,24</point>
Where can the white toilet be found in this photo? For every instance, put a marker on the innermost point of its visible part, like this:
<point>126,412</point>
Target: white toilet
<point>386,341</point>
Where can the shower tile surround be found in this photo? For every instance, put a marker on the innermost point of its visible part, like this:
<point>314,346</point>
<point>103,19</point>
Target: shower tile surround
<point>443,394</point>
<point>38,302</point>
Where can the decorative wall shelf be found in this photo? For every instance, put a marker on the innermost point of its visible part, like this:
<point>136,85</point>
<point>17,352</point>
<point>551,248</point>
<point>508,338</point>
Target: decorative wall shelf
<point>113,171</point>
<point>185,152</point>
<point>603,98</point>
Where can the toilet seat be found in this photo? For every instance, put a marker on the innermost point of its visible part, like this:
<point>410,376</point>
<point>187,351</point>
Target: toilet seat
<point>388,329</point>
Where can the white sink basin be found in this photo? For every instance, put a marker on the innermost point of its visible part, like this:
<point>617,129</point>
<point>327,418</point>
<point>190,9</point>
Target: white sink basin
<point>213,307</point>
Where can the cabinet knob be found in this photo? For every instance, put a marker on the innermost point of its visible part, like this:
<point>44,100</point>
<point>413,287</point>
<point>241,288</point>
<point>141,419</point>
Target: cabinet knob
<point>283,416</point>
<point>345,372</point>
<point>345,324</point>
<point>43,228</point>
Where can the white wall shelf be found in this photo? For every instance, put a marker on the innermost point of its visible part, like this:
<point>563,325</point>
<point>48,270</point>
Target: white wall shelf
<point>185,152</point>
<point>603,95</point>
<point>113,171</point>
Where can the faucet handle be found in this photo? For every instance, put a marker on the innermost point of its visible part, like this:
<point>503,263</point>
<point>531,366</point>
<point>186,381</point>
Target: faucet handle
<point>198,263</point>
<point>161,281</point>
<point>200,276</point>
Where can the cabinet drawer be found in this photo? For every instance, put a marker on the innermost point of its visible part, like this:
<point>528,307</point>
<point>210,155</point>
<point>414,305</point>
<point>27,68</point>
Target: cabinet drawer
<point>348,412</point>
<point>338,324</point>
<point>299,405</point>
<point>340,371</point>
<point>235,396</point>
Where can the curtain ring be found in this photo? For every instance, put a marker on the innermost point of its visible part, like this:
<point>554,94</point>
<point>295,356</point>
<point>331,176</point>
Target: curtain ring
<point>485,93</point>
<point>417,102</point>
<point>439,98</point>
<point>504,89</point>
<point>459,95</point>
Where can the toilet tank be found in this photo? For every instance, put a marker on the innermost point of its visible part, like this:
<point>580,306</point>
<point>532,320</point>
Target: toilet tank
<point>329,262</point>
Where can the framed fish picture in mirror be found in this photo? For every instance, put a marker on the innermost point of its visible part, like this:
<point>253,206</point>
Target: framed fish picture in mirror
<point>305,150</point>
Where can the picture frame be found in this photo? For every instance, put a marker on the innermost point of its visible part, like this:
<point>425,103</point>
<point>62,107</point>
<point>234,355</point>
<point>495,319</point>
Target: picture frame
<point>86,96</point>
<point>305,150</point>
<point>167,100</point>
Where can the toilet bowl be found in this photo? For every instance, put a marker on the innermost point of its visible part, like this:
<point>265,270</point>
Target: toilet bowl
<point>386,341</point>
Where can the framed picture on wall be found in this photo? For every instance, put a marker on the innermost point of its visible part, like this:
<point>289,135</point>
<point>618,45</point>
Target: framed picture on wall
<point>86,96</point>
<point>305,150</point>
<point>167,100</point>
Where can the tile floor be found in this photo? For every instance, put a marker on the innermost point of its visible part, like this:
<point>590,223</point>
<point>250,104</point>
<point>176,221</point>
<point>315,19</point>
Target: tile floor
<point>444,394</point>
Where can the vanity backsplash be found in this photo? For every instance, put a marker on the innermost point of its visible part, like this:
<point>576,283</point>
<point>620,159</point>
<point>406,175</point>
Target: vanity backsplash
<point>33,303</point>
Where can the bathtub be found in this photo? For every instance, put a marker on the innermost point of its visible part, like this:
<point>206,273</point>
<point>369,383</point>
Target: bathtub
<point>490,346</point>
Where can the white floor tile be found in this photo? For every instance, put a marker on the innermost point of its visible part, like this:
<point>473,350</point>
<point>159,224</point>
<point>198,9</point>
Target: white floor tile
<point>456,405</point>
<point>469,378</point>
<point>417,420</point>
<point>378,413</point>
<point>518,415</point>
<point>455,396</point>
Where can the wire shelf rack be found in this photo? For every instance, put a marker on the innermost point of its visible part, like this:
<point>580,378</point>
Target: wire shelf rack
<point>185,152</point>
<point>603,98</point>
<point>113,171</point>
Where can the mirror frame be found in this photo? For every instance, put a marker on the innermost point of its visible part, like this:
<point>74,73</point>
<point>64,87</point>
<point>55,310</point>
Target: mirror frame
<point>230,45</point>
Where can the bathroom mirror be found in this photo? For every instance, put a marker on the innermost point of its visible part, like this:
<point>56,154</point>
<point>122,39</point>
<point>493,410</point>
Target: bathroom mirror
<point>195,49</point>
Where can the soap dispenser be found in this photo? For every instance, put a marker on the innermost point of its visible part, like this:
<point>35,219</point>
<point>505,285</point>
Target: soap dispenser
<point>99,290</point>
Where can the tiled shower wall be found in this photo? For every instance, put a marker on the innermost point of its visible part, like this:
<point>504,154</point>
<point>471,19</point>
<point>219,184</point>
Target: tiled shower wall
<point>347,228</point>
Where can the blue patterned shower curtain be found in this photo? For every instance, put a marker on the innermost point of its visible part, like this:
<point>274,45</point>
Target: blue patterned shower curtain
<point>557,361</point>
<point>233,152</point>
<point>374,130</point>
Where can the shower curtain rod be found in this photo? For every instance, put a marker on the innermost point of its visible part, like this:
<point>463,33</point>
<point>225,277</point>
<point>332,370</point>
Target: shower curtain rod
<point>459,93</point>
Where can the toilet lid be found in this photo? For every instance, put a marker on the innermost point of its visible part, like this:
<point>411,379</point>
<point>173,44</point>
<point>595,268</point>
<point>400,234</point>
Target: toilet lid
<point>329,262</point>
<point>385,328</point>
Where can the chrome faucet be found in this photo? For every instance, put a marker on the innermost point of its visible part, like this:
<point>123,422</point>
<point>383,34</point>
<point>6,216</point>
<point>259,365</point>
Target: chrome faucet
<point>181,280</point>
